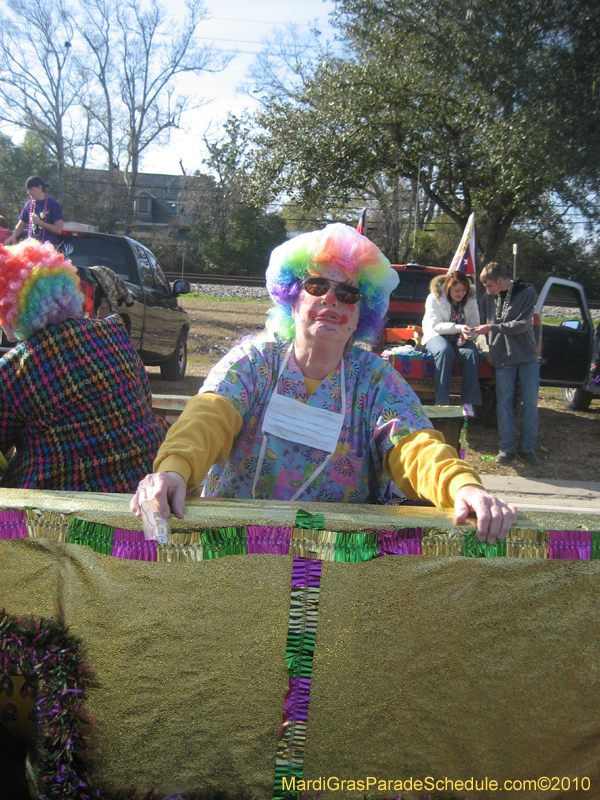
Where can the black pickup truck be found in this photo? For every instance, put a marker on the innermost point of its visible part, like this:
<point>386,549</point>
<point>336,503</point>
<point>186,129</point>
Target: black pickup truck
<point>569,350</point>
<point>157,324</point>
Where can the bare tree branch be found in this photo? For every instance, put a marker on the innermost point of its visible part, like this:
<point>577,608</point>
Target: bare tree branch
<point>40,85</point>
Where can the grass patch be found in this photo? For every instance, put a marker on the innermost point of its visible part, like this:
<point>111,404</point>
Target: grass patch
<point>201,362</point>
<point>217,298</point>
<point>556,321</point>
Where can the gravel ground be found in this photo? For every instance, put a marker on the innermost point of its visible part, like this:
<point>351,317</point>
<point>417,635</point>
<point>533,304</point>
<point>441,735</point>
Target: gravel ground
<point>218,290</point>
<point>568,312</point>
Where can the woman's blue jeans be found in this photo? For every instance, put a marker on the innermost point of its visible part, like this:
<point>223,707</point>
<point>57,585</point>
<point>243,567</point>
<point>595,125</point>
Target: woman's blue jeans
<point>445,354</point>
<point>529,381</point>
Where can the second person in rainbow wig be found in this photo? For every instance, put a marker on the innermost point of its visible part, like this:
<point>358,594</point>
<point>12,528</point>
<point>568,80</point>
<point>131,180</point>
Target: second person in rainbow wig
<point>304,411</point>
<point>75,403</point>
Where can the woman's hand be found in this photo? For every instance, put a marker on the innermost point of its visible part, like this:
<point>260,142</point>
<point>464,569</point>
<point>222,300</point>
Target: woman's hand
<point>466,332</point>
<point>482,329</point>
<point>167,489</point>
<point>495,518</point>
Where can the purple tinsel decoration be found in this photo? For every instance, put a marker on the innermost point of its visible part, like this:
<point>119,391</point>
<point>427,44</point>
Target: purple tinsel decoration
<point>133,545</point>
<point>406,542</point>
<point>268,539</point>
<point>296,700</point>
<point>43,649</point>
<point>575,545</point>
<point>306,572</point>
<point>13,525</point>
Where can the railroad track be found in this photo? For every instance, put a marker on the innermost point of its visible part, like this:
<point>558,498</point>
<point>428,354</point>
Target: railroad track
<point>223,280</point>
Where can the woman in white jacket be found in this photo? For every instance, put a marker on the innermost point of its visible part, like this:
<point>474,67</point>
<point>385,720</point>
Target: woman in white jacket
<point>451,313</point>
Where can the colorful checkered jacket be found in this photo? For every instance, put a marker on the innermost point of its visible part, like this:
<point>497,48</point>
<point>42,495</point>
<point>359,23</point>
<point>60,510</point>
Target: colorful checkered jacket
<point>76,404</point>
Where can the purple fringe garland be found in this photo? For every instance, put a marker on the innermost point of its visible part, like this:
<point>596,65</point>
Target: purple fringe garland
<point>306,572</point>
<point>402,543</point>
<point>274,540</point>
<point>133,545</point>
<point>575,545</point>
<point>13,525</point>
<point>296,700</point>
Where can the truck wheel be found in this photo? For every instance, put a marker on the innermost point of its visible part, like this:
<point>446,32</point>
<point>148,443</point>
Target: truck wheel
<point>173,369</point>
<point>577,399</point>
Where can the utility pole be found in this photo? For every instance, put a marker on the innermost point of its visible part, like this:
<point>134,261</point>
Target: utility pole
<point>514,261</point>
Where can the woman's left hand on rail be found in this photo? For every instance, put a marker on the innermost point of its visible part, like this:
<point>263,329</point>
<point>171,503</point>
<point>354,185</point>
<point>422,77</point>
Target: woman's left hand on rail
<point>495,518</point>
<point>166,489</point>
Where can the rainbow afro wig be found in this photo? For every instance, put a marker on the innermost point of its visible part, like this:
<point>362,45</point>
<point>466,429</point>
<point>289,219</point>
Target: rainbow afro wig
<point>336,245</point>
<point>38,287</point>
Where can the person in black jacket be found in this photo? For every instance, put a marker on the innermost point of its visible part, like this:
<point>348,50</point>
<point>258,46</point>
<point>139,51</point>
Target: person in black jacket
<point>507,313</point>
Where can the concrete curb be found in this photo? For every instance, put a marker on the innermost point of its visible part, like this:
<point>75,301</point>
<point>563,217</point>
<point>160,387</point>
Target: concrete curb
<point>546,495</point>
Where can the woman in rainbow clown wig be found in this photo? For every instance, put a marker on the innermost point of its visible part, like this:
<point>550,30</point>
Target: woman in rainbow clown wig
<point>74,397</point>
<point>303,411</point>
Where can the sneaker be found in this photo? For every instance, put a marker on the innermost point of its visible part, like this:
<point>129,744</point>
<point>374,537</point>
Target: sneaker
<point>504,458</point>
<point>529,458</point>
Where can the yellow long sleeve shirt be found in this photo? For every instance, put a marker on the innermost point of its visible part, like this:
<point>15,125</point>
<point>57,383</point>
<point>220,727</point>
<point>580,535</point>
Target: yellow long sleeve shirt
<point>422,465</point>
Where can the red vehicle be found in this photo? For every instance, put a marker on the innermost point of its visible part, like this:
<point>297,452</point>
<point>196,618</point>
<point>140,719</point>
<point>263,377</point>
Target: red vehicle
<point>407,301</point>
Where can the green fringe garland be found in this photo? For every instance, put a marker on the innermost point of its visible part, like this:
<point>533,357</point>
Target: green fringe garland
<point>473,548</point>
<point>224,542</point>
<point>93,534</point>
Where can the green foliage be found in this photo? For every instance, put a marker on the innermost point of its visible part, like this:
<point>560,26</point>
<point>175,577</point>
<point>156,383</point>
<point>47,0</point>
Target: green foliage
<point>301,218</point>
<point>17,163</point>
<point>437,243</point>
<point>492,106</point>
<point>556,254</point>
<point>540,254</point>
<point>244,246</point>
<point>233,234</point>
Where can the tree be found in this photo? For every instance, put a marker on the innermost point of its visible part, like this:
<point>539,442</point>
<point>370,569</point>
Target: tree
<point>17,163</point>
<point>234,235</point>
<point>491,107</point>
<point>137,71</point>
<point>102,76</point>
<point>96,28</point>
<point>40,83</point>
<point>246,244</point>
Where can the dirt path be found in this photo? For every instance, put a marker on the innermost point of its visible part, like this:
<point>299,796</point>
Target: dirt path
<point>568,442</point>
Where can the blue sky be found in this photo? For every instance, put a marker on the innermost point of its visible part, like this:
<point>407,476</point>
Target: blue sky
<point>233,26</point>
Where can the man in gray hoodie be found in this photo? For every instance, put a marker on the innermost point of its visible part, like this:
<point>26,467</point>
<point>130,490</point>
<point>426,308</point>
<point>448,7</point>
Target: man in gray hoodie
<point>506,310</point>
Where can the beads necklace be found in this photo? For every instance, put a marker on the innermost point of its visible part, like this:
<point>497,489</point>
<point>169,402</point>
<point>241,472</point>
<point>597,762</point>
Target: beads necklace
<point>502,307</point>
<point>42,216</point>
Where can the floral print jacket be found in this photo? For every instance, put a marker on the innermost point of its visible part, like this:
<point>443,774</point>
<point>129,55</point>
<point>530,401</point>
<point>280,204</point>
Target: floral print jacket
<point>380,410</point>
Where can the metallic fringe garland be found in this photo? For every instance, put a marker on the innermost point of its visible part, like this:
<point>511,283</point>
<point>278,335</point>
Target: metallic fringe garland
<point>300,650</point>
<point>305,540</point>
<point>47,525</point>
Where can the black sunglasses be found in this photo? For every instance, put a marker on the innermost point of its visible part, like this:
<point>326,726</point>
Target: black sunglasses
<point>344,292</point>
